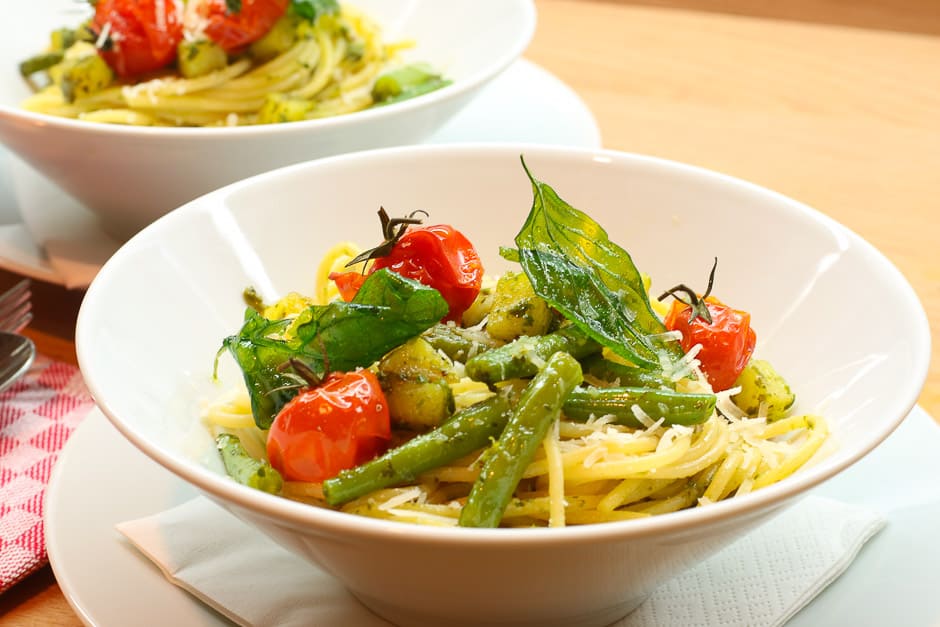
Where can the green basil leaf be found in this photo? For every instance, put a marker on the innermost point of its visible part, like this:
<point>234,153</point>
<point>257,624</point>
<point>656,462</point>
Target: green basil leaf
<point>313,9</point>
<point>592,281</point>
<point>233,6</point>
<point>388,310</point>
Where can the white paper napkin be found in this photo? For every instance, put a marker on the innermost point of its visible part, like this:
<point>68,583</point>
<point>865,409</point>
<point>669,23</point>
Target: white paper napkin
<point>762,579</point>
<point>768,575</point>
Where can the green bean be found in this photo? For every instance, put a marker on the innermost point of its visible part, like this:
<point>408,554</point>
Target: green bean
<point>506,460</point>
<point>623,375</point>
<point>406,82</point>
<point>61,39</point>
<point>245,469</point>
<point>519,358</point>
<point>456,343</point>
<point>675,408</point>
<point>40,62</point>
<point>466,431</point>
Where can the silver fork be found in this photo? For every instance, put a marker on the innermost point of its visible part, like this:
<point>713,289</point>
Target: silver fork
<point>16,307</point>
<point>16,351</point>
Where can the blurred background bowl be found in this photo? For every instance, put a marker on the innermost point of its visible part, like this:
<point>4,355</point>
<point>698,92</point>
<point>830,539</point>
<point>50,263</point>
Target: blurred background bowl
<point>831,313</point>
<point>131,175</point>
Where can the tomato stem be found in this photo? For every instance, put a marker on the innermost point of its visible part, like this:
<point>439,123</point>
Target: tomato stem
<point>304,371</point>
<point>392,231</point>
<point>697,303</point>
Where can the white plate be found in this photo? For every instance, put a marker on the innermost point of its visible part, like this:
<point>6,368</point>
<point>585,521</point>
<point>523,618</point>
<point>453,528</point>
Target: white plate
<point>524,104</point>
<point>101,480</point>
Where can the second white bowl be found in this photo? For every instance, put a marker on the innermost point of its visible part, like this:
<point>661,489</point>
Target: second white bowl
<point>130,176</point>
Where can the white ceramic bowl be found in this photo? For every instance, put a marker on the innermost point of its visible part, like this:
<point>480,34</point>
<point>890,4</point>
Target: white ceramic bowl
<point>129,176</point>
<point>831,313</point>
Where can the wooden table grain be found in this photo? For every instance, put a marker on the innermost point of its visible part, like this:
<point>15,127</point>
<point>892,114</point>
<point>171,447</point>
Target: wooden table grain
<point>837,106</point>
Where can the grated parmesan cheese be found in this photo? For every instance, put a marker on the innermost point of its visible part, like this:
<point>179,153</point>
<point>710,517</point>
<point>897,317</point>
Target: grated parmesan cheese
<point>645,418</point>
<point>423,517</point>
<point>405,496</point>
<point>686,366</point>
<point>667,336</point>
<point>194,21</point>
<point>103,36</point>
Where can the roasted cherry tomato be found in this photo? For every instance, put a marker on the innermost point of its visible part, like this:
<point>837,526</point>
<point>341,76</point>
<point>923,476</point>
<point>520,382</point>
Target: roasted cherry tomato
<point>727,342</point>
<point>234,30</point>
<point>141,35</point>
<point>439,256</point>
<point>348,283</point>
<point>338,424</point>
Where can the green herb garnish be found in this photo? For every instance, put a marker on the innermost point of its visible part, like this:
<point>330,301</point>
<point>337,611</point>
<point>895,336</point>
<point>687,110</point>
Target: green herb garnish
<point>313,9</point>
<point>574,266</point>
<point>278,356</point>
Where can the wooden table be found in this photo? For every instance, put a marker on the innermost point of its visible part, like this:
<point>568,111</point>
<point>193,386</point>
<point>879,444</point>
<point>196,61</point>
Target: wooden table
<point>836,106</point>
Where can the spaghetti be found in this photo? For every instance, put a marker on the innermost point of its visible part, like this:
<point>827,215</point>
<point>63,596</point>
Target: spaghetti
<point>589,472</point>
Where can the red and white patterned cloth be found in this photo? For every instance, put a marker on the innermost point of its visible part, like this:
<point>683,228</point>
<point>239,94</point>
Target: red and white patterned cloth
<point>37,415</point>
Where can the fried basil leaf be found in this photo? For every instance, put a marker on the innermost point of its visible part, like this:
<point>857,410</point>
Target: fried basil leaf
<point>574,266</point>
<point>275,356</point>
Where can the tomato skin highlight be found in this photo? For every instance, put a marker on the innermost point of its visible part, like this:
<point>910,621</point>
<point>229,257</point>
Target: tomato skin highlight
<point>336,425</point>
<point>727,342</point>
<point>234,31</point>
<point>143,34</point>
<point>438,256</point>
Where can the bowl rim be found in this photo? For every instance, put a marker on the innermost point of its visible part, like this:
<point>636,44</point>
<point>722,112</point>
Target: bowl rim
<point>453,91</point>
<point>303,516</point>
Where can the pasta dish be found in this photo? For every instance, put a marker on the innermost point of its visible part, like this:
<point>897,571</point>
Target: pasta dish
<point>220,63</point>
<point>408,385</point>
